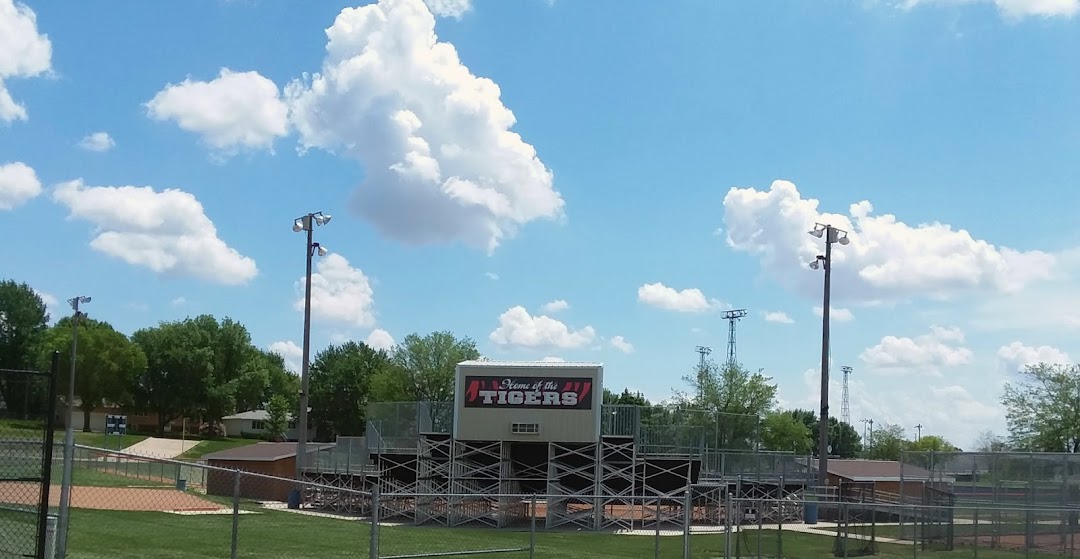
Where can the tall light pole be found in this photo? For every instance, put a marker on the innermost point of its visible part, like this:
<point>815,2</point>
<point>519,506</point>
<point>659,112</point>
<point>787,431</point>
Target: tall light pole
<point>831,235</point>
<point>869,440</point>
<point>306,223</point>
<point>69,433</point>
<point>918,432</point>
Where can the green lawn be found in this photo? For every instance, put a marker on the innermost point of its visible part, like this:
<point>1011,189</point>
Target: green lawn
<point>272,534</point>
<point>214,445</point>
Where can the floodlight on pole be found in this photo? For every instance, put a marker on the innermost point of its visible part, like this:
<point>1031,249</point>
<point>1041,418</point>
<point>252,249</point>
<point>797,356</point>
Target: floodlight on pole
<point>831,235</point>
<point>306,223</point>
<point>63,518</point>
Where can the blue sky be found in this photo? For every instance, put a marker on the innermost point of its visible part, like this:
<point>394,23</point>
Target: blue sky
<point>647,164</point>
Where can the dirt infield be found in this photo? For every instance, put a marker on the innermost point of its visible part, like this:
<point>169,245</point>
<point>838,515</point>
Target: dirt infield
<point>110,498</point>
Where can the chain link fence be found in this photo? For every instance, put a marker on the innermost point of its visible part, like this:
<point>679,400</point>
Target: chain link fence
<point>127,506</point>
<point>27,411</point>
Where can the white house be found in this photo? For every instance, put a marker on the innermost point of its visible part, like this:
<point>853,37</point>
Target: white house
<point>253,421</point>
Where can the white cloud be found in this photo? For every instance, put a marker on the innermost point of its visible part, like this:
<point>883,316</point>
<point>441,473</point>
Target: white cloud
<point>886,259</point>
<point>98,141</point>
<point>664,297</point>
<point>927,353</point>
<point>1013,9</point>
<point>339,293</point>
<point>945,409</point>
<point>235,111</point>
<point>1017,356</point>
<point>555,306</point>
<point>50,301</point>
<point>179,301</point>
<point>449,8</point>
<point>778,317</point>
<point>441,163</point>
<point>620,343</point>
<point>553,360</point>
<point>492,276</point>
<point>18,184</point>
<point>24,53</point>
<point>290,352</point>
<point>166,231</point>
<point>835,314</point>
<point>380,339</point>
<point>518,328</point>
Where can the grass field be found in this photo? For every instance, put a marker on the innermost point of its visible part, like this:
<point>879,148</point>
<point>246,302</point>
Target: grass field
<point>273,534</point>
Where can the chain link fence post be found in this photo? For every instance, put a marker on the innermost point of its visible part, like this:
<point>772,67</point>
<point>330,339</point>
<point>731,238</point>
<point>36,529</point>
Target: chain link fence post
<point>688,513</point>
<point>656,542</point>
<point>532,528</point>
<point>729,507</point>
<point>373,543</point>
<point>235,514</point>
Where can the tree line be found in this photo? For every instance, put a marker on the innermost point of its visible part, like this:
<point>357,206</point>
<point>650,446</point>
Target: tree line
<point>206,369</point>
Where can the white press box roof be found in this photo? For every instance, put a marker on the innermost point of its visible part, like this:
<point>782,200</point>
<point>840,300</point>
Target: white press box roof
<point>532,364</point>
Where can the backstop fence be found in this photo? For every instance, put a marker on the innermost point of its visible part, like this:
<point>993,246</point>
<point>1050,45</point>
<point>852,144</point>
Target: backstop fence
<point>1029,500</point>
<point>27,418</point>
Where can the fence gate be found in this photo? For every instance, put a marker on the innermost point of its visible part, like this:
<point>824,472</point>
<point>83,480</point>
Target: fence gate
<point>937,519</point>
<point>27,421</point>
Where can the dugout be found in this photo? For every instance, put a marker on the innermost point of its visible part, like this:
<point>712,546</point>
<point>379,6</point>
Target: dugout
<point>277,460</point>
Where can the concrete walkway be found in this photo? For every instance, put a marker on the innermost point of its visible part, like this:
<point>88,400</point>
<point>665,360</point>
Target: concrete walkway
<point>161,448</point>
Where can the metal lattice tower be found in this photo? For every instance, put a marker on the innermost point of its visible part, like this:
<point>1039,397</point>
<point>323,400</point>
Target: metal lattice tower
<point>732,317</point>
<point>845,406</point>
<point>703,351</point>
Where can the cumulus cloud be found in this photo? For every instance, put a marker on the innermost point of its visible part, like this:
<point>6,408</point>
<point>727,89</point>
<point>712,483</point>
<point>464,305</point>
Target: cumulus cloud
<point>491,276</point>
<point>235,111</point>
<point>98,141</point>
<point>943,407</point>
<point>555,306</point>
<point>24,53</point>
<point>835,314</point>
<point>290,352</point>
<point>520,329</point>
<point>927,353</point>
<point>1017,356</point>
<point>165,231</point>
<point>449,8</point>
<point>18,184</point>
<point>620,343</point>
<point>380,339</point>
<point>441,163</point>
<point>690,300</point>
<point>339,293</point>
<point>778,317</point>
<point>1012,9</point>
<point>552,359</point>
<point>887,259</point>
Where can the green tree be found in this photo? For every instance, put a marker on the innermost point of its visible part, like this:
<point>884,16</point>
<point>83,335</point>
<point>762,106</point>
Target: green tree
<point>736,399</point>
<point>24,321</point>
<point>844,439</point>
<point>625,398</point>
<point>1043,410</point>
<point>932,443</point>
<point>340,386</point>
<point>278,412</point>
<point>782,431</point>
<point>888,442</point>
<point>263,377</point>
<point>107,363</point>
<point>180,363</point>
<point>424,368</point>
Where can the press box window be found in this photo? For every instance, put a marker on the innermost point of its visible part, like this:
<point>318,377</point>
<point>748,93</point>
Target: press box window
<point>525,428</point>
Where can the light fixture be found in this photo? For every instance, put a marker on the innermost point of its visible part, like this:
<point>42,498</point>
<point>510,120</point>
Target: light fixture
<point>816,232</point>
<point>322,219</point>
<point>298,225</point>
<point>844,240</point>
<point>322,249</point>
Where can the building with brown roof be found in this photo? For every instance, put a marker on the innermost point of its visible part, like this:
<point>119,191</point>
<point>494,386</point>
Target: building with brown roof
<point>277,460</point>
<point>883,480</point>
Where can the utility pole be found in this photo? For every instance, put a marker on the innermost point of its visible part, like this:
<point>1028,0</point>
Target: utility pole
<point>831,235</point>
<point>64,516</point>
<point>703,351</point>
<point>918,432</point>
